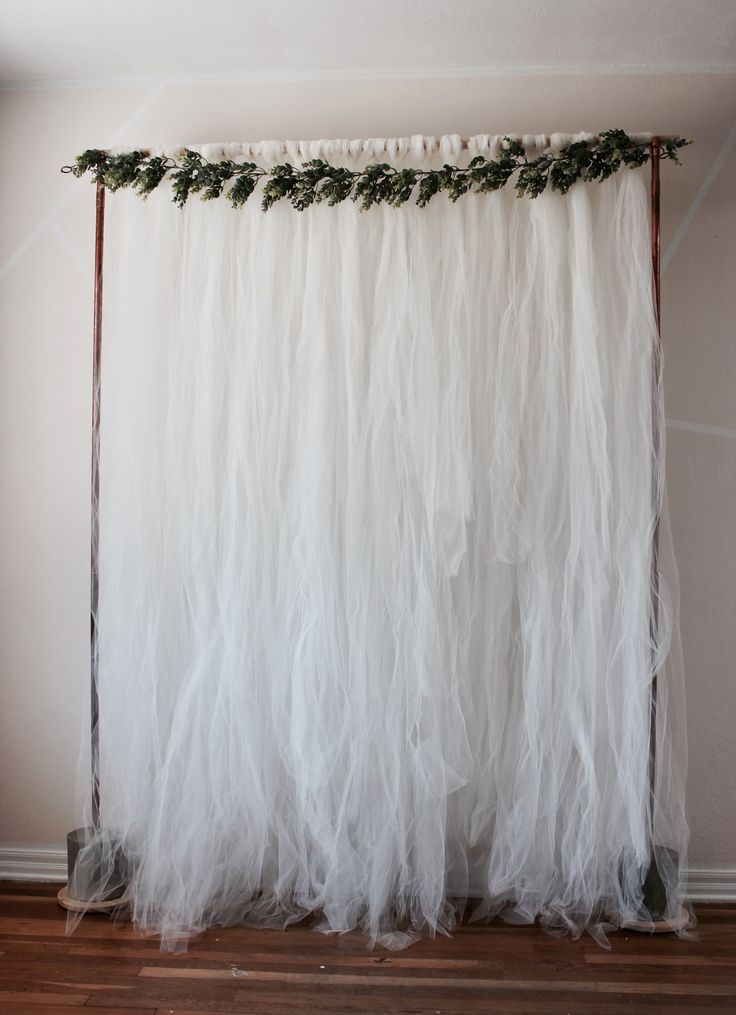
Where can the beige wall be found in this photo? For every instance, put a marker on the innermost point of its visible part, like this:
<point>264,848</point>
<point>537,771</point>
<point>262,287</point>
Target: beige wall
<point>45,307</point>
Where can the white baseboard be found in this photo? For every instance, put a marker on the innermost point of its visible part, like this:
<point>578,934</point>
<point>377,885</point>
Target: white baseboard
<point>20,862</point>
<point>711,884</point>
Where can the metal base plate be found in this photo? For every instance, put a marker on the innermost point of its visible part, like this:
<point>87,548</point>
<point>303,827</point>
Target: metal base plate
<point>679,922</point>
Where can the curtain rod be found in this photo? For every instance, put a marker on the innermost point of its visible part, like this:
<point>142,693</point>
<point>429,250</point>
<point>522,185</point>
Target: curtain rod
<point>464,142</point>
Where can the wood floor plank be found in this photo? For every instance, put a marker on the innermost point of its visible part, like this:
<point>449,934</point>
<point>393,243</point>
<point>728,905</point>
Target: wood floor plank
<point>8,997</point>
<point>678,961</point>
<point>53,927</point>
<point>32,1008</point>
<point>45,889</point>
<point>436,982</point>
<point>273,1001</point>
<point>459,982</point>
<point>526,1007</point>
<point>256,959</point>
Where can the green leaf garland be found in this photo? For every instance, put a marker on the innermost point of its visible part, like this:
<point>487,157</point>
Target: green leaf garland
<point>317,181</point>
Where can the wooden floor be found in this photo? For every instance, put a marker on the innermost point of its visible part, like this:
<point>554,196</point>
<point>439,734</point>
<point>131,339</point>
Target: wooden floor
<point>105,969</point>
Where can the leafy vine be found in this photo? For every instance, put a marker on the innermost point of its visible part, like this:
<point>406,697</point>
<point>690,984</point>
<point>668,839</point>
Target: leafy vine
<point>317,181</point>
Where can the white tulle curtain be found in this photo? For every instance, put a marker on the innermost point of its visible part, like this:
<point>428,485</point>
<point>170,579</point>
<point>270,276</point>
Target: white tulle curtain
<point>375,570</point>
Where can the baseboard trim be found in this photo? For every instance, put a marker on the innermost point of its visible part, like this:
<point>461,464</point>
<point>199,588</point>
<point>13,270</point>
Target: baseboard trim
<point>48,863</point>
<point>711,884</point>
<point>20,862</point>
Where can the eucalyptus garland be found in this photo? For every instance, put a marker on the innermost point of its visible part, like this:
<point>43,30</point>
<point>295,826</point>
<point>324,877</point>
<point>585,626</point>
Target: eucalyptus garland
<point>317,181</point>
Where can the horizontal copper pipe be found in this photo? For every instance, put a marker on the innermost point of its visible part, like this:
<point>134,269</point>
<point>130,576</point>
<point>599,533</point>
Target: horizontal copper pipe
<point>465,143</point>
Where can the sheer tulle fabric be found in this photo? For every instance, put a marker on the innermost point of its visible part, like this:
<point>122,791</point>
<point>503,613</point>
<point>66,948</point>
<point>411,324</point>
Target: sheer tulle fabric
<point>376,520</point>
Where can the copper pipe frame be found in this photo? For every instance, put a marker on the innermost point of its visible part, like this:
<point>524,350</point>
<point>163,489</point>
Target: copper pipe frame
<point>95,482</point>
<point>464,144</point>
<point>95,506</point>
<point>656,460</point>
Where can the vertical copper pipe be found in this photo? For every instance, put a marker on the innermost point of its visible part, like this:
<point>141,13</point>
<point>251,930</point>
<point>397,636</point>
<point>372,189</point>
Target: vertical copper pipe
<point>95,505</point>
<point>656,462</point>
<point>654,158</point>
